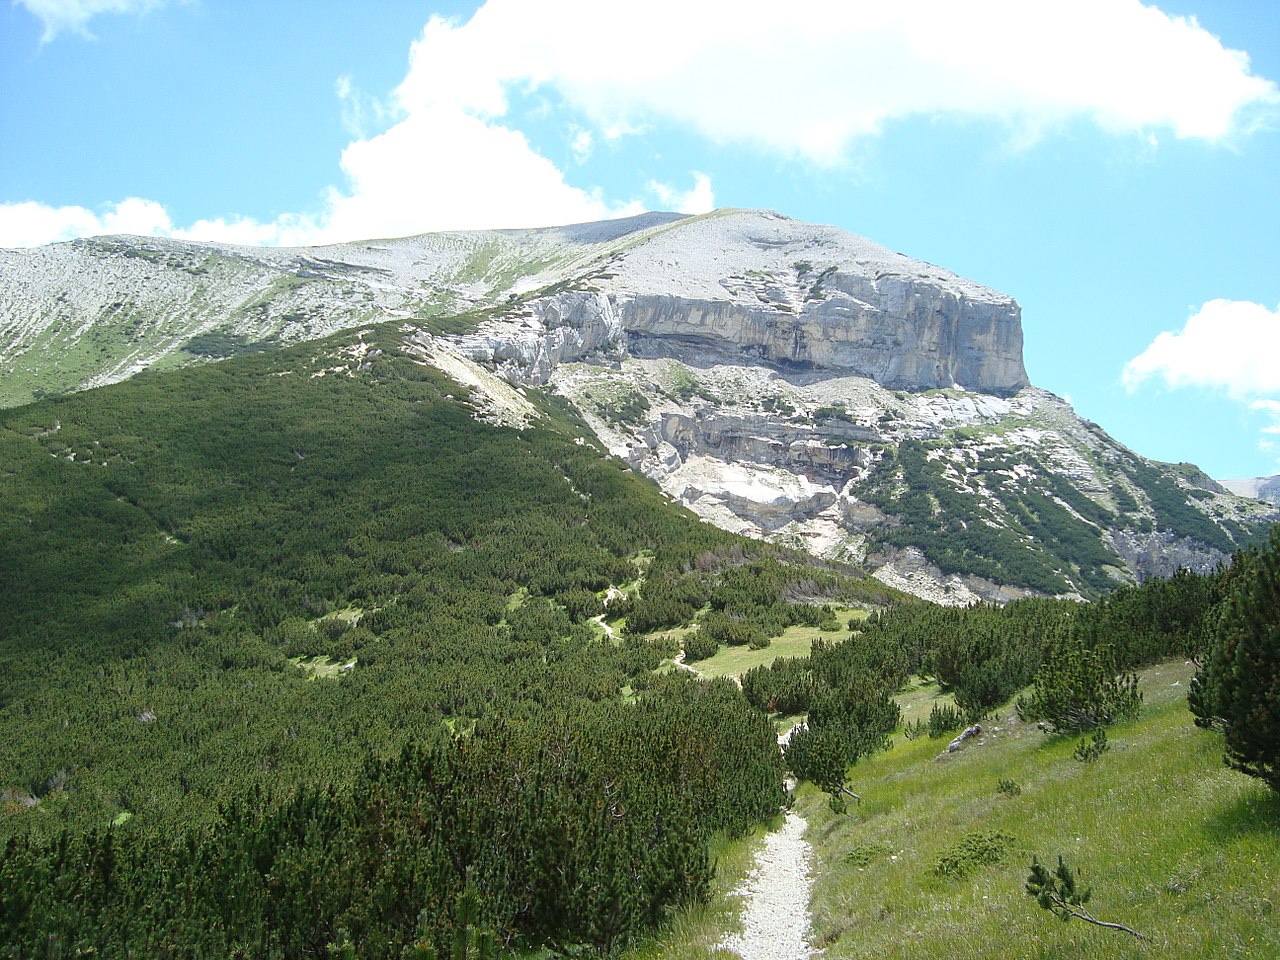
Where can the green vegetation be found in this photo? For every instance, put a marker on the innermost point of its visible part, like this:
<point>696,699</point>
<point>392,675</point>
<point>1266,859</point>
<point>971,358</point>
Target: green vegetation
<point>1178,845</point>
<point>217,344</point>
<point>1058,892</point>
<point>1035,530</point>
<point>1172,510</point>
<point>685,386</point>
<point>955,529</point>
<point>1078,689</point>
<point>1238,688</point>
<point>972,852</point>
<point>619,405</point>
<point>237,529</point>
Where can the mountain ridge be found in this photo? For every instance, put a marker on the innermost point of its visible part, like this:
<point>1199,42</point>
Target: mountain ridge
<point>787,380</point>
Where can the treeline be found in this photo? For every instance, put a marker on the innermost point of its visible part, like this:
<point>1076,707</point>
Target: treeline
<point>576,829</point>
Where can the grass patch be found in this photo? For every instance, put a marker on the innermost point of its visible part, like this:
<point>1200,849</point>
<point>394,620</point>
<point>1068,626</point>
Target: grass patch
<point>1173,843</point>
<point>794,642</point>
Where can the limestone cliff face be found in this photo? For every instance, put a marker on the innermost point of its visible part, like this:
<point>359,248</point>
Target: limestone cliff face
<point>757,287</point>
<point>749,286</point>
<point>917,338</point>
<point>896,331</point>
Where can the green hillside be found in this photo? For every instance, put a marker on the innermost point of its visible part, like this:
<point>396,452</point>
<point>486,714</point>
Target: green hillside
<point>292,621</point>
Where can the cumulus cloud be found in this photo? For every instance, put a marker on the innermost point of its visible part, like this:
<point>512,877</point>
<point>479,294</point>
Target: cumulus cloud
<point>442,169</point>
<point>28,224</point>
<point>446,151</point>
<point>74,15</point>
<point>811,77</point>
<point>1229,346</point>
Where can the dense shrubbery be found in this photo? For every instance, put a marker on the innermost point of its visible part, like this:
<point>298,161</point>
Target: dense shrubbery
<point>168,544</point>
<point>579,830</point>
<point>1238,686</point>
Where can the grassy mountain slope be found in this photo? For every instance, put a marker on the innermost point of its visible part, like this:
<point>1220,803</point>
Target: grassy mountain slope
<point>1174,844</point>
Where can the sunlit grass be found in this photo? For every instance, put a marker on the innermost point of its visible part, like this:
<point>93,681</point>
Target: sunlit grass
<point>1175,844</point>
<point>794,642</point>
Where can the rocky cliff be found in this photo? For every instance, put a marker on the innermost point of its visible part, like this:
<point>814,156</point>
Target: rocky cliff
<point>757,287</point>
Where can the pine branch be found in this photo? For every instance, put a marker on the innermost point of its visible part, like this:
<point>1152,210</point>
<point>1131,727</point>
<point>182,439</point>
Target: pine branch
<point>1083,914</point>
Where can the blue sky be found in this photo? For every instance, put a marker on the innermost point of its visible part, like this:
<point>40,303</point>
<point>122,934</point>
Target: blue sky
<point>1114,166</point>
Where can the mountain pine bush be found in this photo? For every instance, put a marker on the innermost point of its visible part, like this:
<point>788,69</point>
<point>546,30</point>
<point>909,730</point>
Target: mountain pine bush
<point>1238,686</point>
<point>1078,688</point>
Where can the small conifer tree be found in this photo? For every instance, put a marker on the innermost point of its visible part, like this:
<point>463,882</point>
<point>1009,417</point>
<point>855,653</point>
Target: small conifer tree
<point>1059,892</point>
<point>1077,688</point>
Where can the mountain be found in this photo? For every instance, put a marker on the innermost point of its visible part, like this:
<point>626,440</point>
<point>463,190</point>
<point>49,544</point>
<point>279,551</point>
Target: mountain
<point>781,379</point>
<point>1256,488</point>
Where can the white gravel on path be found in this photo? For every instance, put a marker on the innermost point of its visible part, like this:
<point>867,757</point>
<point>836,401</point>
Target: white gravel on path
<point>775,918</point>
<point>775,913</point>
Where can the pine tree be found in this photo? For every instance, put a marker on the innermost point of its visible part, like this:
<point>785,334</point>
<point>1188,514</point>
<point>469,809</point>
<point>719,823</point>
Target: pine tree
<point>1238,686</point>
<point>1078,688</point>
<point>1058,891</point>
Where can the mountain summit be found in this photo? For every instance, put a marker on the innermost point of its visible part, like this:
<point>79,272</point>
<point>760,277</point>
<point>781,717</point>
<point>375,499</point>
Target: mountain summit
<point>780,378</point>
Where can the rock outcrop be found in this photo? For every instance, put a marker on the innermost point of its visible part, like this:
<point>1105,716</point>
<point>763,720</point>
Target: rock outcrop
<point>758,288</point>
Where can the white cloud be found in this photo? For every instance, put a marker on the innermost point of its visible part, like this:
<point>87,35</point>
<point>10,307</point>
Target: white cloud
<point>443,169</point>
<point>1228,345</point>
<point>444,150</point>
<point>28,224</point>
<point>700,198</point>
<point>811,77</point>
<point>74,15</point>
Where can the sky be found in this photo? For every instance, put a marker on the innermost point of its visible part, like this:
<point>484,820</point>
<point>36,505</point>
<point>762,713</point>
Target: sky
<point>1112,165</point>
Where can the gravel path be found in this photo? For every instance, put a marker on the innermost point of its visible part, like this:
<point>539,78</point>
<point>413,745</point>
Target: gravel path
<point>775,918</point>
<point>775,914</point>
